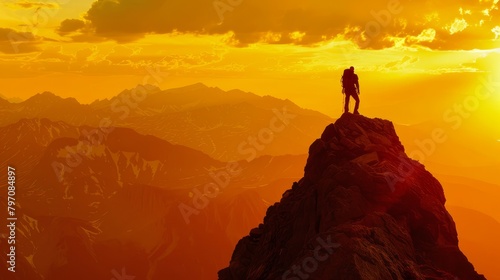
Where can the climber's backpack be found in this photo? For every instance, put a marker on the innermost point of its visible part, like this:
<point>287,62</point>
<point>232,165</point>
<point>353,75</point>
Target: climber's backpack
<point>347,79</point>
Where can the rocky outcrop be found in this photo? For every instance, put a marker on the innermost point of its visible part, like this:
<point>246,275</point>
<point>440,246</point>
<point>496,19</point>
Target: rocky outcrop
<point>363,210</point>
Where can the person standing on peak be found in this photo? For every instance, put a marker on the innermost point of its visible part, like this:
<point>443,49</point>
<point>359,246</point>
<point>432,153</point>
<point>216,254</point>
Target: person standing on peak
<point>350,87</point>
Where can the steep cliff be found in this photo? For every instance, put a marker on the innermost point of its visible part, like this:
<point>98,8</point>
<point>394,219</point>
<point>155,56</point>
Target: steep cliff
<point>363,210</point>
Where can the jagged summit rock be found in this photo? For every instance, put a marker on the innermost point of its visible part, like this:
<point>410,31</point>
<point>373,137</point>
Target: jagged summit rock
<point>363,210</point>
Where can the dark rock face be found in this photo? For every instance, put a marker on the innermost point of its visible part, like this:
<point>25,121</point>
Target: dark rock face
<point>363,210</point>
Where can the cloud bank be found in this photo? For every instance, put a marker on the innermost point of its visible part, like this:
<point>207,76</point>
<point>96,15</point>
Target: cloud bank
<point>377,24</point>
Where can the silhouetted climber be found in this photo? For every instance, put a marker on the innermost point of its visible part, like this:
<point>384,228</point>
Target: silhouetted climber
<point>350,87</point>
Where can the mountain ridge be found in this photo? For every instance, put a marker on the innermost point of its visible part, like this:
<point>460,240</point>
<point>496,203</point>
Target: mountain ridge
<point>208,119</point>
<point>127,189</point>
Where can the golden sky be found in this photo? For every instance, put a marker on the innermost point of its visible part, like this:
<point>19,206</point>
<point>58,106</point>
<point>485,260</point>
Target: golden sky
<point>433,63</point>
<point>403,50</point>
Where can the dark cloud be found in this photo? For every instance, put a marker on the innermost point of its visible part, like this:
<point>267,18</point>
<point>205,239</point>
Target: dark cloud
<point>71,25</point>
<point>79,31</point>
<point>372,24</point>
<point>127,20</point>
<point>12,41</point>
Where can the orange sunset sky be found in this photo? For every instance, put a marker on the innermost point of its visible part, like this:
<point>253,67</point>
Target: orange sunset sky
<point>415,59</point>
<point>430,65</point>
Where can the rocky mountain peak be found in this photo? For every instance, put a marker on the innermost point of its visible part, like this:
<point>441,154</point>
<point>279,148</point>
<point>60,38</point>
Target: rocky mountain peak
<point>363,210</point>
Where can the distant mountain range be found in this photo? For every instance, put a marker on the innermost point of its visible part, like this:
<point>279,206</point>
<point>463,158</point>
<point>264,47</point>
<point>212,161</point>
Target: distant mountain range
<point>101,184</point>
<point>102,198</point>
<point>11,99</point>
<point>109,203</point>
<point>230,125</point>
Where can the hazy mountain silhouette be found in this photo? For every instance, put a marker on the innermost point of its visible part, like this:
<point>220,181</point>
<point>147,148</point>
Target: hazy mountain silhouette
<point>10,100</point>
<point>355,215</point>
<point>50,106</point>
<point>4,103</point>
<point>208,119</point>
<point>118,205</point>
<point>218,122</point>
<point>25,140</point>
